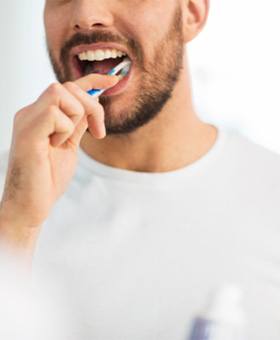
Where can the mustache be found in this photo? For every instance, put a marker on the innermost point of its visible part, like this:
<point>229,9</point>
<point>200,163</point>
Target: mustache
<point>96,37</point>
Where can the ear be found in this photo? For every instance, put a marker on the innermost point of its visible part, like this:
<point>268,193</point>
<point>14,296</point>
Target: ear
<point>195,17</point>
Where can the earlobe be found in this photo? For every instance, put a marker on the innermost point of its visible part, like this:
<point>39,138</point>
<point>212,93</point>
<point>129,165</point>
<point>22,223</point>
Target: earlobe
<point>196,14</point>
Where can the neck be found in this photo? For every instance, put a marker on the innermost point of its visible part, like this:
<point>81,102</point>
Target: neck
<point>174,139</point>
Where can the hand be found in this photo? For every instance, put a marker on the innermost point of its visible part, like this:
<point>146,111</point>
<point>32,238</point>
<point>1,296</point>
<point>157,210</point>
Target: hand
<point>43,153</point>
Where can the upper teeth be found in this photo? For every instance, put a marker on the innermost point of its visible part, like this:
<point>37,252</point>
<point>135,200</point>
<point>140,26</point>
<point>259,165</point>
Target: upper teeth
<point>100,55</point>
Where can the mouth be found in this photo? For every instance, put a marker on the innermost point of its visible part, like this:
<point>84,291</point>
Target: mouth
<point>96,58</point>
<point>85,67</point>
<point>99,60</point>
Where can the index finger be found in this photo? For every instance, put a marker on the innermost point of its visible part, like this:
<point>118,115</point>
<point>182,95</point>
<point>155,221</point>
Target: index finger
<point>96,81</point>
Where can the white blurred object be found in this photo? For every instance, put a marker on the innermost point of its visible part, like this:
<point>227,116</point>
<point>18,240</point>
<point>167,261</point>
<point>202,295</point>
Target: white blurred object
<point>28,309</point>
<point>224,317</point>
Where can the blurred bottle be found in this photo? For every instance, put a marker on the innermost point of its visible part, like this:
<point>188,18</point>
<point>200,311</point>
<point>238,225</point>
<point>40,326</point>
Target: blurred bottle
<point>223,319</point>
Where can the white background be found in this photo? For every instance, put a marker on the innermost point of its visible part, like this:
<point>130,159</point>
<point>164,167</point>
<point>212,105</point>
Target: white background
<point>234,64</point>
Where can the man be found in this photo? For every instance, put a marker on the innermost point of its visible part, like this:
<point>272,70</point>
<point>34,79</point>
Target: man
<point>136,208</point>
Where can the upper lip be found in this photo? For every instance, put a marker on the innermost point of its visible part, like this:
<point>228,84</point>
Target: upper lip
<point>98,46</point>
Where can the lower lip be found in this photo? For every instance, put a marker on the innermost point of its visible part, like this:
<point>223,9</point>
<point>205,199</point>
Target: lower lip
<point>121,86</point>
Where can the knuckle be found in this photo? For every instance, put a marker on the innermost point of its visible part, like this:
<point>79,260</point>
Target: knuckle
<point>54,88</point>
<point>95,110</point>
<point>20,114</point>
<point>93,113</point>
<point>68,127</point>
<point>79,113</point>
<point>80,109</point>
<point>70,85</point>
<point>51,111</point>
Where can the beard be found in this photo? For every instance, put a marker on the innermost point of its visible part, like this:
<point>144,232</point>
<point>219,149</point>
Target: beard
<point>156,83</point>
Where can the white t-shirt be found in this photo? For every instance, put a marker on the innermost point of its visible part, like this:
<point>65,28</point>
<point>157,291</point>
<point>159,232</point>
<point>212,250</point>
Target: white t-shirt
<point>135,255</point>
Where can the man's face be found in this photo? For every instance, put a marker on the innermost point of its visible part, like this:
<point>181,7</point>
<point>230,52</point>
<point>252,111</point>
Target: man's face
<point>151,31</point>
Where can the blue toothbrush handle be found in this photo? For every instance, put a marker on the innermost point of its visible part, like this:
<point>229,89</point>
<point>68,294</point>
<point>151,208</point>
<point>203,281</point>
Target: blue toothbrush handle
<point>94,91</point>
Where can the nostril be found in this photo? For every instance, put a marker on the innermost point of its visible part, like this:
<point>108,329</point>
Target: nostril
<point>78,27</point>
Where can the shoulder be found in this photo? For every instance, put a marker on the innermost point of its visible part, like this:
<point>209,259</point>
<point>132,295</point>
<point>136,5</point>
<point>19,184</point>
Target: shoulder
<point>250,173</point>
<point>249,157</point>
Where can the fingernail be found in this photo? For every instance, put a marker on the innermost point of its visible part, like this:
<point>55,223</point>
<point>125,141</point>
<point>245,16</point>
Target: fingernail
<point>118,77</point>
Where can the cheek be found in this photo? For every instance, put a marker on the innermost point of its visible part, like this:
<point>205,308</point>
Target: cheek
<point>55,36</point>
<point>56,24</point>
<point>149,21</point>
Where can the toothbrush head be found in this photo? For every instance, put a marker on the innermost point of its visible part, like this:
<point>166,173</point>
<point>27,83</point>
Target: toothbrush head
<point>120,70</point>
<point>125,70</point>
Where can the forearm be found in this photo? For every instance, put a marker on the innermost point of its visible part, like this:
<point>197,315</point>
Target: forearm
<point>17,239</point>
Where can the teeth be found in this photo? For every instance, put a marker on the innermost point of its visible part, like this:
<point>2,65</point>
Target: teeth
<point>99,55</point>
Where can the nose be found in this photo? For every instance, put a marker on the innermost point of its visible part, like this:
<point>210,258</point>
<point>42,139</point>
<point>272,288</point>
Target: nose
<point>90,14</point>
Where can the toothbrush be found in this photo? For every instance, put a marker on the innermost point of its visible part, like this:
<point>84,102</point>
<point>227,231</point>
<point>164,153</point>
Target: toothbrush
<point>123,68</point>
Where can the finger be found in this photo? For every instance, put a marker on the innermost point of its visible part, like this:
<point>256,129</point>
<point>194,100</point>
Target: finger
<point>93,110</point>
<point>58,95</point>
<point>96,129</point>
<point>79,131</point>
<point>59,125</point>
<point>96,81</point>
